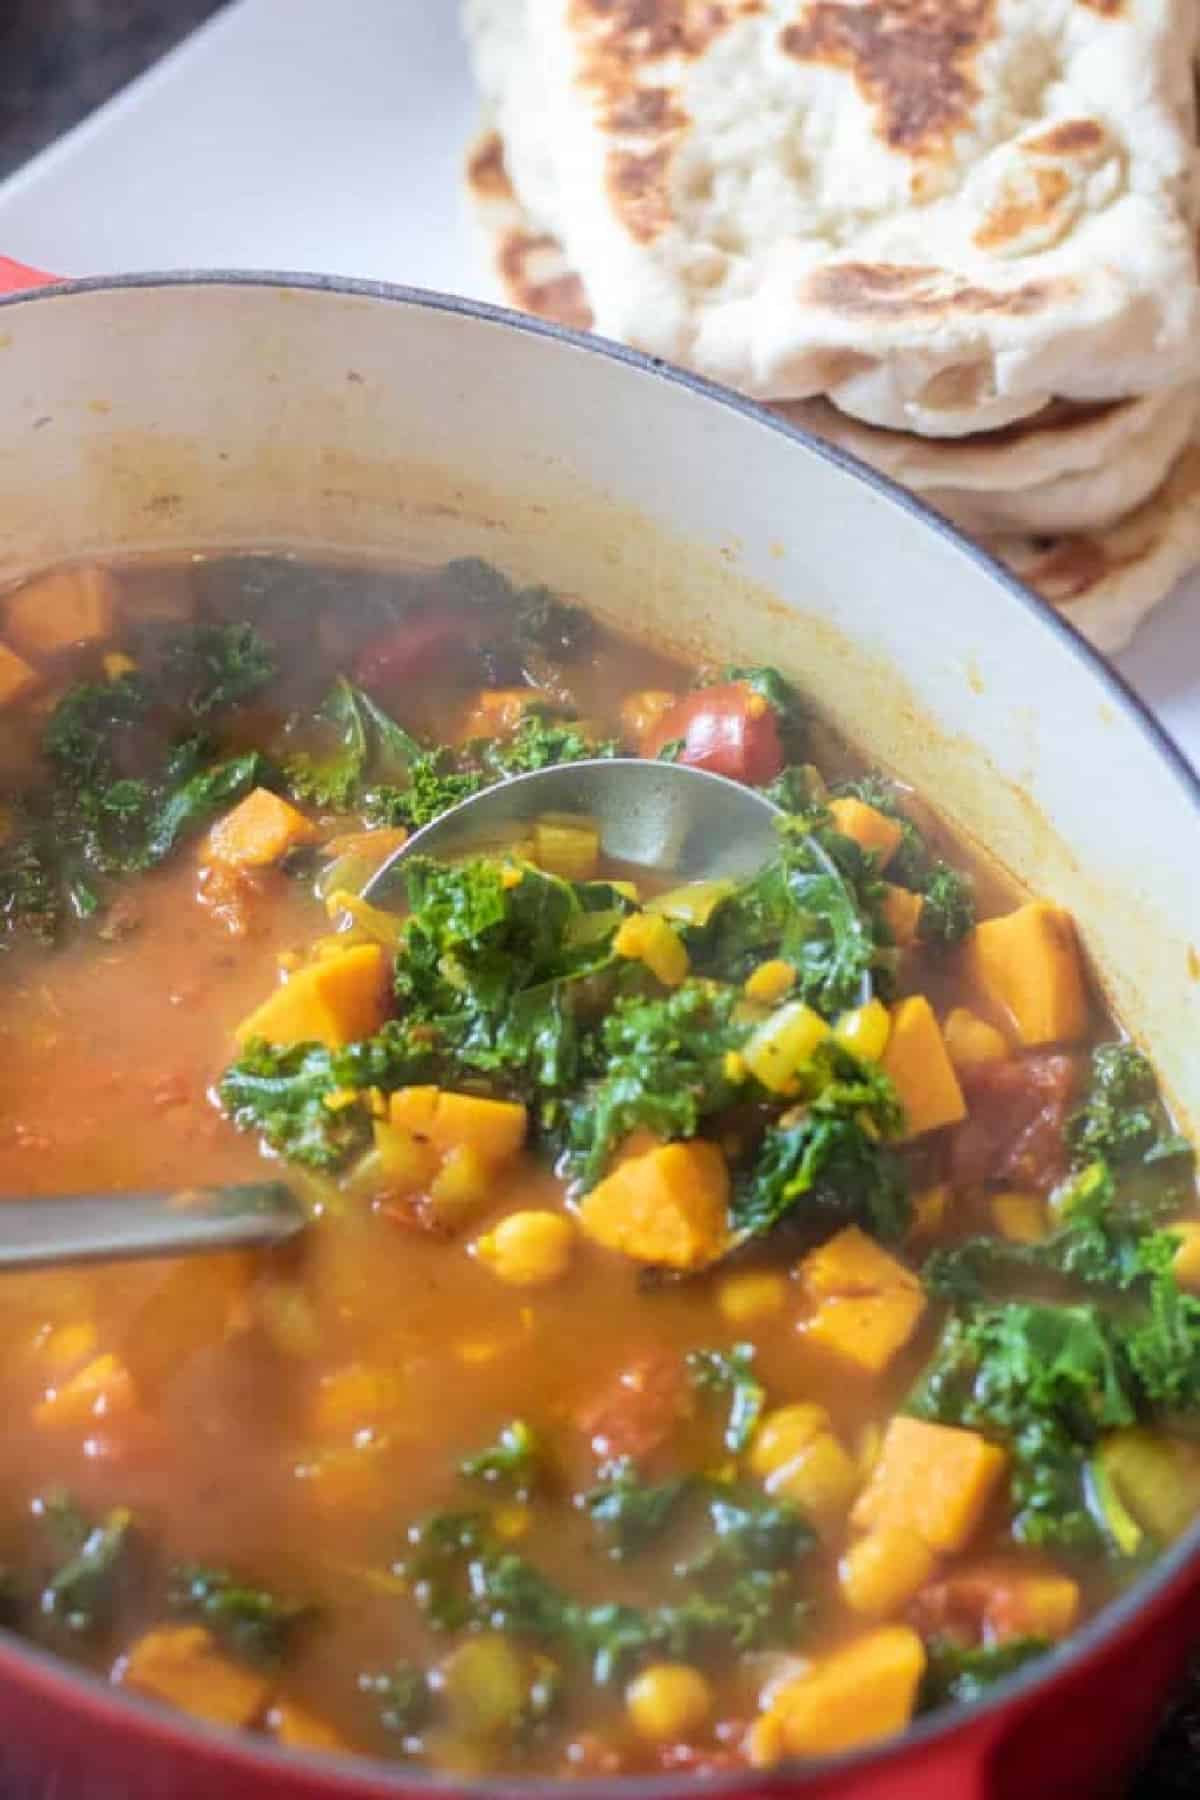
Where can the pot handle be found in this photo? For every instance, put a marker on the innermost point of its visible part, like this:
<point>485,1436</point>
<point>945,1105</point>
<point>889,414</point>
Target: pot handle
<point>17,278</point>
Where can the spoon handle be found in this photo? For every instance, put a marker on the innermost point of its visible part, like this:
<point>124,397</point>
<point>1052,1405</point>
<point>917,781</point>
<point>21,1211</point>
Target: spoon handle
<point>39,1233</point>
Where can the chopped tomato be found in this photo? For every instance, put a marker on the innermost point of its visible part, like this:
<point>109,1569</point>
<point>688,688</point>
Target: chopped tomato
<point>1014,1129</point>
<point>730,730</point>
<point>638,1412</point>
<point>414,647</point>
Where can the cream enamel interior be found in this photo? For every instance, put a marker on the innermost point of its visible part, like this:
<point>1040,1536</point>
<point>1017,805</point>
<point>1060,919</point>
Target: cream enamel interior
<point>234,414</point>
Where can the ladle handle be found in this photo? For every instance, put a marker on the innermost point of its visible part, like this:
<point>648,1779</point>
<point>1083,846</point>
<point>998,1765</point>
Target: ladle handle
<point>39,1233</point>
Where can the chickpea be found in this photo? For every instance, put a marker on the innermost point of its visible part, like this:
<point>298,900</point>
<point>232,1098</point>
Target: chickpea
<point>528,1249</point>
<point>667,1701</point>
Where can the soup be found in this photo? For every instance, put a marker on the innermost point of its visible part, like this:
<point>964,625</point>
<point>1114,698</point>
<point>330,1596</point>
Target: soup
<point>733,1318</point>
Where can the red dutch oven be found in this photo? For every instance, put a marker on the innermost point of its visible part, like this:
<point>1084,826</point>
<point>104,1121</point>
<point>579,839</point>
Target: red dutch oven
<point>173,413</point>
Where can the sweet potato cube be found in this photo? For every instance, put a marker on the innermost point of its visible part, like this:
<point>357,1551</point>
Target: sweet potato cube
<point>335,1001</point>
<point>935,1480</point>
<point>920,1068</point>
<point>850,1262</point>
<point>667,1206</point>
<point>859,1694</point>
<point>881,1572</point>
<point>866,1331</point>
<point>495,1128</point>
<point>60,609</point>
<point>300,1730</point>
<point>901,911</point>
<point>412,1108</point>
<point>869,1303</point>
<point>194,1306</point>
<point>1027,964</point>
<point>1186,1261</point>
<point>182,1665</point>
<point>870,829</point>
<point>260,830</point>
<point>16,677</point>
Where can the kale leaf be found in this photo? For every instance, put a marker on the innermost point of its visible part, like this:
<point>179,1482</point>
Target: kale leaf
<point>512,1461</point>
<point>347,748</point>
<point>83,1594</point>
<point>731,1372</point>
<point>1048,1380</point>
<point>254,1623</point>
<point>948,914</point>
<point>815,907</point>
<point>827,1162</point>
<point>632,1512</point>
<point>208,669</point>
<point>664,1068</point>
<point>1123,1120</point>
<point>957,1674</point>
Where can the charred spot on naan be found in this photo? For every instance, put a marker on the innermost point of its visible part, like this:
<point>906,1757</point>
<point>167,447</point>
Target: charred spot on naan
<point>628,32</point>
<point>1085,139</point>
<point>912,60</point>
<point>487,172</point>
<point>913,291</point>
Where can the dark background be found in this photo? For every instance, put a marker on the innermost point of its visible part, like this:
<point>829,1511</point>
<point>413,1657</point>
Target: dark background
<point>59,59</point>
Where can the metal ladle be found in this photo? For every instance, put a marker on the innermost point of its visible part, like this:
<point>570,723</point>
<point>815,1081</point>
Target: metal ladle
<point>662,817</point>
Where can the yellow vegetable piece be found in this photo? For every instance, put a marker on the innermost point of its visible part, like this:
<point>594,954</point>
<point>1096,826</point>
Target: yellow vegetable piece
<point>115,663</point>
<point>668,1701</point>
<point>566,846</point>
<point>1028,966</point>
<point>881,1572</point>
<point>784,1433</point>
<point>463,1184</point>
<point>971,1041</point>
<point>60,609</point>
<point>1021,1218</point>
<point>528,1249</point>
<point>409,1163</point>
<point>371,922</point>
<point>182,1665</point>
<point>17,679</point>
<point>67,1348</point>
<point>260,830</point>
<point>693,904</point>
<point>667,1206</point>
<point>334,1001</point>
<point>859,1694</point>
<point>920,1069</point>
<point>648,938</point>
<point>782,1044</point>
<point>935,1480</point>
<point>770,982</point>
<point>751,1298</point>
<point>1157,1477</point>
<point>495,1128</point>
<point>822,1479</point>
<point>864,1032</point>
<point>1186,1262</point>
<point>901,911</point>
<point>869,828</point>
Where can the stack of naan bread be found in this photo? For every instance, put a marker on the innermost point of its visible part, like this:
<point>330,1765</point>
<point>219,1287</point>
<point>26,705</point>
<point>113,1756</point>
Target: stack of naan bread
<point>955,237</point>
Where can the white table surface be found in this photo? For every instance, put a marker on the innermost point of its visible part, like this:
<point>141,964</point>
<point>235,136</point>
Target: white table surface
<point>314,135</point>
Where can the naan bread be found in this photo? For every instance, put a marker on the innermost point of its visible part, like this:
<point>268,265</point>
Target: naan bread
<point>1068,468</point>
<point>1105,580</point>
<point>1071,467</point>
<point>943,214</point>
